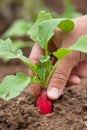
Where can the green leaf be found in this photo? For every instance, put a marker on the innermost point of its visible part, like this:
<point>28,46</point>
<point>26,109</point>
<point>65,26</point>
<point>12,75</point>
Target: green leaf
<point>66,25</point>
<point>13,85</point>
<point>34,30</point>
<point>60,53</point>
<point>44,58</point>
<point>47,27</point>
<point>18,28</point>
<point>43,29</point>
<point>7,52</point>
<point>80,44</point>
<point>41,72</point>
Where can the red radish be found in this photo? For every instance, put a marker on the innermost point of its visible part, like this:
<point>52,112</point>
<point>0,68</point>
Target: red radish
<point>43,103</point>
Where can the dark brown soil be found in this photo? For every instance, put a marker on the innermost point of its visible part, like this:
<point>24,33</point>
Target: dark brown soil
<point>69,112</point>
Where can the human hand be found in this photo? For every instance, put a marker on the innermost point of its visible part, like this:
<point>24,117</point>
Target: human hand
<point>70,69</point>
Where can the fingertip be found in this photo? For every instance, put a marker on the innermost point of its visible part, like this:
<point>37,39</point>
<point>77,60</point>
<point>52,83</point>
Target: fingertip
<point>53,93</point>
<point>36,89</point>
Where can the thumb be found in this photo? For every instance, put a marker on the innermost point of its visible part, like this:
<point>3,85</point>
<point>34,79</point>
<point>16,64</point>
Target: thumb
<point>61,75</point>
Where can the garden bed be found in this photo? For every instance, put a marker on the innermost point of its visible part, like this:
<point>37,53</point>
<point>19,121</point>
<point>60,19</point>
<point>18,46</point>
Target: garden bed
<point>69,112</point>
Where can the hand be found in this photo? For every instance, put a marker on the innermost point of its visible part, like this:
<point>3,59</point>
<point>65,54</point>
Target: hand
<point>71,68</point>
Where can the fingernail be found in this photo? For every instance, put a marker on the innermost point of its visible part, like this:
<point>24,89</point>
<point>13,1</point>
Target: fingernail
<point>53,93</point>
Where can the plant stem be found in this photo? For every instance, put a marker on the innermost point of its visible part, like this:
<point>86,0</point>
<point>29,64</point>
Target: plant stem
<point>47,65</point>
<point>49,76</point>
<point>28,63</point>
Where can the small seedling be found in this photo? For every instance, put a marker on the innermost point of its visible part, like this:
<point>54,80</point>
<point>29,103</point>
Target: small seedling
<point>17,30</point>
<point>41,32</point>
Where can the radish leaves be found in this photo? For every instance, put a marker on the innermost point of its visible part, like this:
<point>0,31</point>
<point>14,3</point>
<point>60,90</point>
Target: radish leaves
<point>41,31</point>
<point>13,85</point>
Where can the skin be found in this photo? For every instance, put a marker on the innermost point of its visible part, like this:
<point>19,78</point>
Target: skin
<point>72,67</point>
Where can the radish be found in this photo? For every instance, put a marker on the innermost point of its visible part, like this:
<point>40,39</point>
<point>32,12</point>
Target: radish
<point>43,104</point>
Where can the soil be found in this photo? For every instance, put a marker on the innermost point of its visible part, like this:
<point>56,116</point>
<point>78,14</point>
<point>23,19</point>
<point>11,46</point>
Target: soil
<point>69,111</point>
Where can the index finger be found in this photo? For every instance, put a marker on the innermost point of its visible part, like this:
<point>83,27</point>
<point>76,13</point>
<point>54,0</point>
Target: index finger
<point>35,53</point>
<point>34,58</point>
